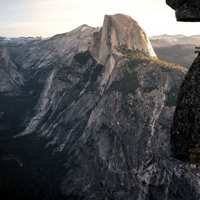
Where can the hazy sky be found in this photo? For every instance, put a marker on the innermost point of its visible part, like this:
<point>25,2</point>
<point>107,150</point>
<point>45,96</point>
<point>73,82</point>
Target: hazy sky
<point>49,17</point>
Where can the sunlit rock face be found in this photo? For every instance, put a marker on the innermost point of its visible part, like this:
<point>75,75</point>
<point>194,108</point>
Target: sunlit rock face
<point>188,11</point>
<point>120,31</point>
<point>35,55</point>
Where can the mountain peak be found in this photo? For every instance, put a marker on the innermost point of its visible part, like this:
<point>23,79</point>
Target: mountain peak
<point>120,30</point>
<point>121,18</point>
<point>126,32</point>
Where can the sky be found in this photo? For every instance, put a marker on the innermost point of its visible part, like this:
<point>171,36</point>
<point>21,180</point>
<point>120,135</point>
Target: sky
<point>49,17</point>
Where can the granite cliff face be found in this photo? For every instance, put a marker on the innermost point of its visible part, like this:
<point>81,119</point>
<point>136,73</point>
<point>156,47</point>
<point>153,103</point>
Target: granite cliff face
<point>119,31</point>
<point>96,124</point>
<point>11,79</point>
<point>100,57</point>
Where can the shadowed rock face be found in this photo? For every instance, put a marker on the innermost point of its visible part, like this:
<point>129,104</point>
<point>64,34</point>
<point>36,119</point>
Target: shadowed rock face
<point>188,11</point>
<point>185,136</point>
<point>10,77</point>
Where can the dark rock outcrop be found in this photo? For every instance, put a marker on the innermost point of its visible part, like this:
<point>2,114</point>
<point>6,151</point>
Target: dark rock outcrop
<point>188,11</point>
<point>185,131</point>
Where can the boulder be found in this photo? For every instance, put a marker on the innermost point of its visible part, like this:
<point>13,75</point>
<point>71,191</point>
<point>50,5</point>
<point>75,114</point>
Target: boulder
<point>188,11</point>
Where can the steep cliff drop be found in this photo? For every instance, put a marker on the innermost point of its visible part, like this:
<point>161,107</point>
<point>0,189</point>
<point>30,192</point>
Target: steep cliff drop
<point>100,51</point>
<point>99,125</point>
<point>11,79</point>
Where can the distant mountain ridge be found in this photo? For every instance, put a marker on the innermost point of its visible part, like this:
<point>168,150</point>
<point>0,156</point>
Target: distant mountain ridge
<point>174,39</point>
<point>171,39</point>
<point>18,40</point>
<point>178,49</point>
